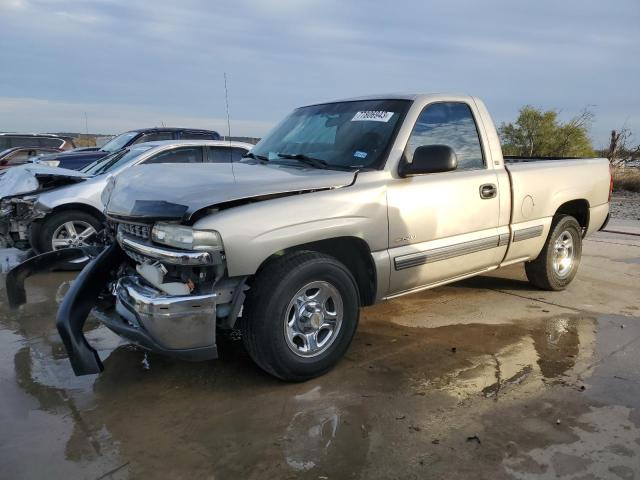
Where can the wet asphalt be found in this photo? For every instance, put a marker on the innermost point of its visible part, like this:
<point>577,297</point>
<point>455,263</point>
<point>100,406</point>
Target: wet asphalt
<point>485,378</point>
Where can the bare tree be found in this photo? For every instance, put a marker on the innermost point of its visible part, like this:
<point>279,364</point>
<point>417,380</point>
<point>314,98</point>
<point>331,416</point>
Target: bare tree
<point>620,148</point>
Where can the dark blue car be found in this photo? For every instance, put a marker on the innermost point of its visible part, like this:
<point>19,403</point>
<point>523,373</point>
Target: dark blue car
<point>77,159</point>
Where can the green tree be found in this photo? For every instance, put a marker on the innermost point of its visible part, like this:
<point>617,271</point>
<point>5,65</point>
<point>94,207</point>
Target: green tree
<point>538,133</point>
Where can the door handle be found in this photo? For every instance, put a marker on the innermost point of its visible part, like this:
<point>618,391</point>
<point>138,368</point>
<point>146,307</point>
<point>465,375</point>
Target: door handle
<point>488,190</point>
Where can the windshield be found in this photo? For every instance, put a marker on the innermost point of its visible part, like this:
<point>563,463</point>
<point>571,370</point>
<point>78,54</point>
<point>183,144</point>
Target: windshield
<point>344,135</point>
<point>118,142</point>
<point>115,160</point>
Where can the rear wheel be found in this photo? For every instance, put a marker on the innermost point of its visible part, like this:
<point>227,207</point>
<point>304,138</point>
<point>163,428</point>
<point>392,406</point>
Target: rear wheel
<point>300,315</point>
<point>70,228</point>
<point>558,262</point>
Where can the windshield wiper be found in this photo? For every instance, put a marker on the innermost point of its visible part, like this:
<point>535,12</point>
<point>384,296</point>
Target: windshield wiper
<point>261,158</point>
<point>312,162</point>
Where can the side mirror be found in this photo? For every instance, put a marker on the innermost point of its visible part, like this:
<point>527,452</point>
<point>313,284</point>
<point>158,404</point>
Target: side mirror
<point>430,159</point>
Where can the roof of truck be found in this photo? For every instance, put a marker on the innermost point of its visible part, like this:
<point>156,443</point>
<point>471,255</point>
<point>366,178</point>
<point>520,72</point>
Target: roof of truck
<point>393,96</point>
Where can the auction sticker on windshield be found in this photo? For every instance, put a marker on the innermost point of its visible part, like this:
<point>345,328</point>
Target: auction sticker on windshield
<point>372,116</point>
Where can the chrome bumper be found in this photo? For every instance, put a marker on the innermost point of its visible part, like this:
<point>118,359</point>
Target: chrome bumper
<point>167,255</point>
<point>173,323</point>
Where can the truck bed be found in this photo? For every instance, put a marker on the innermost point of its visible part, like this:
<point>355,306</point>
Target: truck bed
<point>519,159</point>
<point>539,185</point>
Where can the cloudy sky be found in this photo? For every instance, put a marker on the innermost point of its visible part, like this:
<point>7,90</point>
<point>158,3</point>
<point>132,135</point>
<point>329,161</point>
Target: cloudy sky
<point>131,64</point>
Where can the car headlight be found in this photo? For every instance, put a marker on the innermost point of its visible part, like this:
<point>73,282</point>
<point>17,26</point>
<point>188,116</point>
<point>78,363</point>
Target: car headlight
<point>49,163</point>
<point>187,238</point>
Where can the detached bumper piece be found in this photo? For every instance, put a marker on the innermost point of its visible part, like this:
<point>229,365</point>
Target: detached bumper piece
<point>45,262</point>
<point>78,302</point>
<point>179,326</point>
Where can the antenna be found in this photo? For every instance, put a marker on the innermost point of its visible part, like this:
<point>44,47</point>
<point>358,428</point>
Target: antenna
<point>226,99</point>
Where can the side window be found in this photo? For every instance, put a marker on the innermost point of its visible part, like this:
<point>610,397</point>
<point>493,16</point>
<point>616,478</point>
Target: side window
<point>20,156</point>
<point>178,155</point>
<point>198,136</point>
<point>24,142</point>
<point>4,143</point>
<point>224,154</point>
<point>452,124</point>
<point>50,142</point>
<point>154,137</point>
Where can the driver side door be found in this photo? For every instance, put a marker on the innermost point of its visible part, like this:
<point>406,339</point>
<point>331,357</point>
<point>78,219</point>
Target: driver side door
<point>443,226</point>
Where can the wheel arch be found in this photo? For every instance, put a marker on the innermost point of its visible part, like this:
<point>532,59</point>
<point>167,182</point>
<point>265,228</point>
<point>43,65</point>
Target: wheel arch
<point>83,207</point>
<point>578,209</point>
<point>353,252</point>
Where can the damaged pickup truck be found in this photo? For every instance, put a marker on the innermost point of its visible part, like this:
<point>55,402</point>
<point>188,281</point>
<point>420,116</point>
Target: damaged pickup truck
<point>342,205</point>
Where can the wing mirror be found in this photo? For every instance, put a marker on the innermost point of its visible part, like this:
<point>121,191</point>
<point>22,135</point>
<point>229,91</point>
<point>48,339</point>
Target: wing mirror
<point>430,159</point>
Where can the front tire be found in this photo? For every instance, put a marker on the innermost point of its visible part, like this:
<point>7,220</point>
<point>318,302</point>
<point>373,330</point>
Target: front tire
<point>300,315</point>
<point>69,228</point>
<point>558,262</point>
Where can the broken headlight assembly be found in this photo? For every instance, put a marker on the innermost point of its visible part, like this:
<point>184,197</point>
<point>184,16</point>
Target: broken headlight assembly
<point>187,238</point>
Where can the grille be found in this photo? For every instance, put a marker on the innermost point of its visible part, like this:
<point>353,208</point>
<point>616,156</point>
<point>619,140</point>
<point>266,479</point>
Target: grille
<point>140,231</point>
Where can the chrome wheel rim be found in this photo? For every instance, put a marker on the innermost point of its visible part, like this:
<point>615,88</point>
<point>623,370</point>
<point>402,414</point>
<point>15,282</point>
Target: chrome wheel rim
<point>313,319</point>
<point>75,233</point>
<point>563,254</point>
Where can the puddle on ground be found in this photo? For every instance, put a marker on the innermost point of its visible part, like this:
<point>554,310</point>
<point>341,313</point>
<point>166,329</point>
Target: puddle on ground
<point>392,405</point>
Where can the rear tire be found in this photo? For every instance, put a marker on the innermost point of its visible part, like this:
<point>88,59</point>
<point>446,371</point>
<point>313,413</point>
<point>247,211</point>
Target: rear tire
<point>57,230</point>
<point>290,299</point>
<point>558,262</point>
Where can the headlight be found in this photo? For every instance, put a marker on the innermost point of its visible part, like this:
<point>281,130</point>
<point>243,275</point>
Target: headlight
<point>186,238</point>
<point>49,163</point>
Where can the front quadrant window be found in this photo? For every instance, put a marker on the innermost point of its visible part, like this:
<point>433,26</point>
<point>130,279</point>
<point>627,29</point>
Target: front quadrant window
<point>225,154</point>
<point>452,124</point>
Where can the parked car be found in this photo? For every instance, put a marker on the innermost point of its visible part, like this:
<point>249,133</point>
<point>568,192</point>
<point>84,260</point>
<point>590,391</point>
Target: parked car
<point>35,140</point>
<point>78,159</point>
<point>47,208</point>
<point>342,205</point>
<point>12,157</point>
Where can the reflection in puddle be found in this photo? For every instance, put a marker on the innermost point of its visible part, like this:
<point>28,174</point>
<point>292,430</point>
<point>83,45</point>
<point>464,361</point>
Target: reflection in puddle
<point>229,418</point>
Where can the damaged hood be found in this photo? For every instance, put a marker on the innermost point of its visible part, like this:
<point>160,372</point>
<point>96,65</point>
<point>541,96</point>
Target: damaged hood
<point>175,191</point>
<point>30,178</point>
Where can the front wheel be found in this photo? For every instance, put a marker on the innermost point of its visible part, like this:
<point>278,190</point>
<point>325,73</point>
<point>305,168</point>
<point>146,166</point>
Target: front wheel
<point>69,228</point>
<point>300,315</point>
<point>558,262</point>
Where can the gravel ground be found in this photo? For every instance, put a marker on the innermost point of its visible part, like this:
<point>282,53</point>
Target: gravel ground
<point>625,205</point>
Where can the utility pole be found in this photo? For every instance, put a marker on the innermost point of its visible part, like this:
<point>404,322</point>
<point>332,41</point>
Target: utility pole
<point>86,124</point>
<point>226,99</point>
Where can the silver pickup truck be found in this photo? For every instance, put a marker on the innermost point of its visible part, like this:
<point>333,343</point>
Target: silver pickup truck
<point>342,205</point>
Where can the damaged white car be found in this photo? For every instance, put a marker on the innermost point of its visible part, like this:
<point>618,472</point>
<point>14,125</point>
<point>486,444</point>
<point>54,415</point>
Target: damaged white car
<point>48,208</point>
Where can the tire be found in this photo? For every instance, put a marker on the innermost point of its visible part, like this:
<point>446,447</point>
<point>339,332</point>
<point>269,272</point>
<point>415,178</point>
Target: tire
<point>550,270</point>
<point>276,339</point>
<point>53,226</point>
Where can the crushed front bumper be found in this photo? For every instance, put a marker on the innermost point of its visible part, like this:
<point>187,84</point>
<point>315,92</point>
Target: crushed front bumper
<point>179,326</point>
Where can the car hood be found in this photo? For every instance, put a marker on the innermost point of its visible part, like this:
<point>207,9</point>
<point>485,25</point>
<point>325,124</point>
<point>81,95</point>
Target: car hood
<point>31,178</point>
<point>176,191</point>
